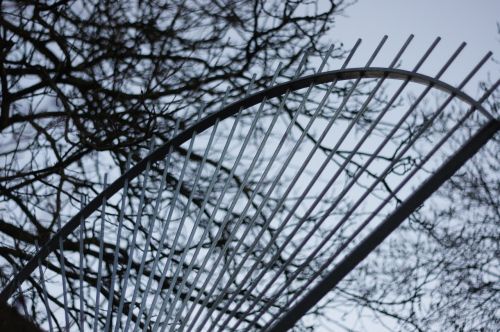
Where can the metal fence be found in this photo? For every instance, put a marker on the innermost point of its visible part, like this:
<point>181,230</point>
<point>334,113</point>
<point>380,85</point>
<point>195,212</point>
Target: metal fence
<point>293,187</point>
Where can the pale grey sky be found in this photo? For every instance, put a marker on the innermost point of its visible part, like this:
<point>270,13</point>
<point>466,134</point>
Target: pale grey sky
<point>454,20</point>
<point>474,22</point>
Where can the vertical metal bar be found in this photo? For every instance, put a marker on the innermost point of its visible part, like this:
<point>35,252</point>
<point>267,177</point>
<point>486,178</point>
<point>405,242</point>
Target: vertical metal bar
<point>474,70</point>
<point>132,244</point>
<point>209,223</point>
<point>198,247</point>
<point>426,55</point>
<point>80,277</point>
<point>63,276</point>
<point>117,248</point>
<point>101,257</point>
<point>165,229</point>
<point>44,290</point>
<point>192,233</point>
<point>387,227</point>
<point>250,131</point>
<point>152,221</point>
<point>146,245</point>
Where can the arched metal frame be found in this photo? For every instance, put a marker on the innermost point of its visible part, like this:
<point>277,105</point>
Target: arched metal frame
<point>365,247</point>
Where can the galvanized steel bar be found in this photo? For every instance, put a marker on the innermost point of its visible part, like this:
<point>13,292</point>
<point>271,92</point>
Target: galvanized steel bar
<point>44,291</point>
<point>80,265</point>
<point>168,221</point>
<point>117,248</point>
<point>365,136</point>
<point>146,245</point>
<point>238,223</point>
<point>63,277</point>
<point>101,254</point>
<point>223,192</point>
<point>275,181</point>
<point>181,224</point>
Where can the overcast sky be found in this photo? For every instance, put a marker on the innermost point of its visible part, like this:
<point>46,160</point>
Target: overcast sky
<point>474,22</point>
<point>455,20</point>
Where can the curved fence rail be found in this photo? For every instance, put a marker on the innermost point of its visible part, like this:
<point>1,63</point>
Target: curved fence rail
<point>290,188</point>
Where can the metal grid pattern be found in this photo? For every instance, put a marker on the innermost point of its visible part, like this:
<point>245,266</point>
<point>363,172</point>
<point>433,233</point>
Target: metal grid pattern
<point>310,177</point>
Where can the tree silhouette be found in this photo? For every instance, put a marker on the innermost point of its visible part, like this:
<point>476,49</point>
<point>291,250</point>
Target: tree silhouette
<point>89,86</point>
